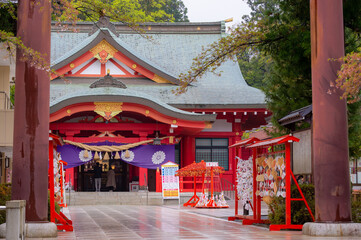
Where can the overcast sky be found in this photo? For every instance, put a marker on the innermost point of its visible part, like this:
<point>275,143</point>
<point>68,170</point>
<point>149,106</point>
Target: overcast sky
<point>216,10</point>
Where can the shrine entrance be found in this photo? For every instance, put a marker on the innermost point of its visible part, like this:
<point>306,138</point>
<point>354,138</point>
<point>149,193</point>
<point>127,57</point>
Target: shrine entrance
<point>113,127</point>
<point>121,169</point>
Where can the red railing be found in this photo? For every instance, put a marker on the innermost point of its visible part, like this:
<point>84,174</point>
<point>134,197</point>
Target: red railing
<point>186,184</point>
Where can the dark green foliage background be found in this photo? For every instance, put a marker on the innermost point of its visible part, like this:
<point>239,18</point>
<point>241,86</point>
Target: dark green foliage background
<point>5,195</point>
<point>285,75</point>
<point>299,212</point>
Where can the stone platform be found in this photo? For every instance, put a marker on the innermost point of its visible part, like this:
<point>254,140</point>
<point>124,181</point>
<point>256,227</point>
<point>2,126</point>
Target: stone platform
<point>122,198</point>
<point>167,222</point>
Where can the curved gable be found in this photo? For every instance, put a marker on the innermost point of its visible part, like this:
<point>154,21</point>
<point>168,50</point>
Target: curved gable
<point>102,51</point>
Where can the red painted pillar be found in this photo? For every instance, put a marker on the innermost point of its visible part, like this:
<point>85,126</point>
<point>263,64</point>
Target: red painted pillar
<point>143,177</point>
<point>158,180</point>
<point>69,176</point>
<point>188,151</point>
<point>330,133</point>
<point>255,172</point>
<point>238,154</point>
<point>31,115</point>
<point>233,152</point>
<point>51,181</point>
<point>288,183</point>
<point>143,172</point>
<point>75,175</point>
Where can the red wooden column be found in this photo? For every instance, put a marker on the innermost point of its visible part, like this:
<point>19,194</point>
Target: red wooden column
<point>188,151</point>
<point>51,180</point>
<point>288,182</point>
<point>31,134</point>
<point>238,154</point>
<point>69,176</point>
<point>72,173</point>
<point>158,181</point>
<point>143,177</point>
<point>143,172</point>
<point>233,152</point>
<point>330,140</point>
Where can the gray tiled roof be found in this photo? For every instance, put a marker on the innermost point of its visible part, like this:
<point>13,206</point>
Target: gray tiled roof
<point>173,53</point>
<point>109,94</point>
<point>67,43</point>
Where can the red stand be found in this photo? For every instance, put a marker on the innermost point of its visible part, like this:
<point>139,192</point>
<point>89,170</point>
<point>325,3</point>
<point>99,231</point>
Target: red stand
<point>239,145</point>
<point>194,199</point>
<point>256,199</point>
<point>62,222</point>
<point>262,148</point>
<point>200,169</point>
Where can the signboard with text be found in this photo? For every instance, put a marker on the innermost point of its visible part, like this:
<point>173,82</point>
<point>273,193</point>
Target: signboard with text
<point>211,164</point>
<point>170,182</point>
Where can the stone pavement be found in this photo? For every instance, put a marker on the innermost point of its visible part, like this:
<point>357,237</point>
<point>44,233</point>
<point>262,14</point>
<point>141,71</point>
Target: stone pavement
<point>165,222</point>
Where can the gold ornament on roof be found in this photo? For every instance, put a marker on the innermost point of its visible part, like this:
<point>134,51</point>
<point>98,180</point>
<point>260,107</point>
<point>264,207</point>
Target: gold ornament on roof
<point>108,110</point>
<point>103,51</point>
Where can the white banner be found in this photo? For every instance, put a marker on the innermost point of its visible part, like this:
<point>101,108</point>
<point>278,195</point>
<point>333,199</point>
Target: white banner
<point>211,164</point>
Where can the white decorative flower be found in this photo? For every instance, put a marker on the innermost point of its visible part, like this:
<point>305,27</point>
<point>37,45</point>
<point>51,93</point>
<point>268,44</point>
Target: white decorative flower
<point>128,159</point>
<point>283,194</point>
<point>158,157</point>
<point>84,159</point>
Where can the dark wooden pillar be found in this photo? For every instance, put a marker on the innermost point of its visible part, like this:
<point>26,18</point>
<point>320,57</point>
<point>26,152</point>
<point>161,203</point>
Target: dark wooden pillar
<point>330,138</point>
<point>31,132</point>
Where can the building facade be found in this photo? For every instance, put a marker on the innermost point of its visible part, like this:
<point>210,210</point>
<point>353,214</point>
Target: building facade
<point>115,86</point>
<point>7,76</point>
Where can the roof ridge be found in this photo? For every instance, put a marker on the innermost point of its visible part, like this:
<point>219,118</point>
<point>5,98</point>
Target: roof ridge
<point>150,27</point>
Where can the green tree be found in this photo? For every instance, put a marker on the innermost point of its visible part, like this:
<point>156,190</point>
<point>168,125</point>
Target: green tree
<point>288,84</point>
<point>7,21</point>
<point>177,9</point>
<point>254,66</point>
<point>280,30</point>
<point>128,11</point>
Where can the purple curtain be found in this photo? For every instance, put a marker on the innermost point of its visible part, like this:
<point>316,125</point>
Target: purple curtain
<point>145,156</point>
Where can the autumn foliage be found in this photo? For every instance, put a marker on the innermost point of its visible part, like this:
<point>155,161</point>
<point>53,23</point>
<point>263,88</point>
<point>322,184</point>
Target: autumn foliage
<point>349,77</point>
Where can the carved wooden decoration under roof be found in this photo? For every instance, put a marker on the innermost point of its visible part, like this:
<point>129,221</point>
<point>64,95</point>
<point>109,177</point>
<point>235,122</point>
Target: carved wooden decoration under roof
<point>108,81</point>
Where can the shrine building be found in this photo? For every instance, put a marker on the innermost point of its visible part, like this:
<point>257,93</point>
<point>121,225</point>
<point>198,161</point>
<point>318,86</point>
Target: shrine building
<point>117,88</point>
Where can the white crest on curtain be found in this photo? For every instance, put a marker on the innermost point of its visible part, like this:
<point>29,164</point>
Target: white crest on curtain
<point>130,158</point>
<point>84,159</point>
<point>158,157</point>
